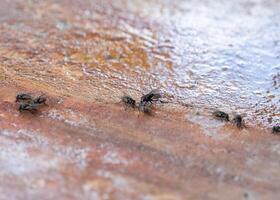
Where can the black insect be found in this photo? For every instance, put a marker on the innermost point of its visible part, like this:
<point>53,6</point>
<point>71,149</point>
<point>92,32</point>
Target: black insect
<point>40,100</point>
<point>145,107</point>
<point>221,115</point>
<point>238,121</point>
<point>27,103</point>
<point>276,129</point>
<point>23,97</point>
<point>151,97</point>
<point>31,107</point>
<point>128,101</point>
<point>148,100</point>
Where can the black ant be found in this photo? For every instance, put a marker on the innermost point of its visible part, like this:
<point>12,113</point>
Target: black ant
<point>221,115</point>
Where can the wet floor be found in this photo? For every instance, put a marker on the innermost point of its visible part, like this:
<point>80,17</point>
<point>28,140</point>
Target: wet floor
<point>211,54</point>
<point>84,55</point>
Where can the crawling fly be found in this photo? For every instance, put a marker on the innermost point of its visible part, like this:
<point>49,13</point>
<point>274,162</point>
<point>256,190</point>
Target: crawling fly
<point>128,101</point>
<point>31,107</point>
<point>28,103</point>
<point>148,100</point>
<point>23,97</point>
<point>276,129</point>
<point>238,121</point>
<point>40,100</point>
<point>151,97</point>
<point>221,115</point>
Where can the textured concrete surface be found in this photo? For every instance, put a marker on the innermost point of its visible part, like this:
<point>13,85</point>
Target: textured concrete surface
<point>84,55</point>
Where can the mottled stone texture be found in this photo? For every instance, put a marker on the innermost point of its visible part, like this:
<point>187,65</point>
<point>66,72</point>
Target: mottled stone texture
<point>85,54</point>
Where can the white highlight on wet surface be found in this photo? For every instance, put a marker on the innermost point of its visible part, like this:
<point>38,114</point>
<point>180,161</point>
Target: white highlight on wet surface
<point>26,134</point>
<point>113,157</point>
<point>15,158</point>
<point>75,155</point>
<point>70,117</point>
<point>118,181</point>
<point>210,126</point>
<point>106,184</point>
<point>275,148</point>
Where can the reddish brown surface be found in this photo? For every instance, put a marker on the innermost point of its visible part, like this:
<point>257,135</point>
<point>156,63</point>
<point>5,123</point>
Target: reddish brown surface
<point>84,145</point>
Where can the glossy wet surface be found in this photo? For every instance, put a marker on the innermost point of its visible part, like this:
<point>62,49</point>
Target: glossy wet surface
<point>84,55</point>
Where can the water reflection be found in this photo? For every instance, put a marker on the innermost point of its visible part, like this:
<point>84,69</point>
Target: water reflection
<point>211,54</point>
<point>224,54</point>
